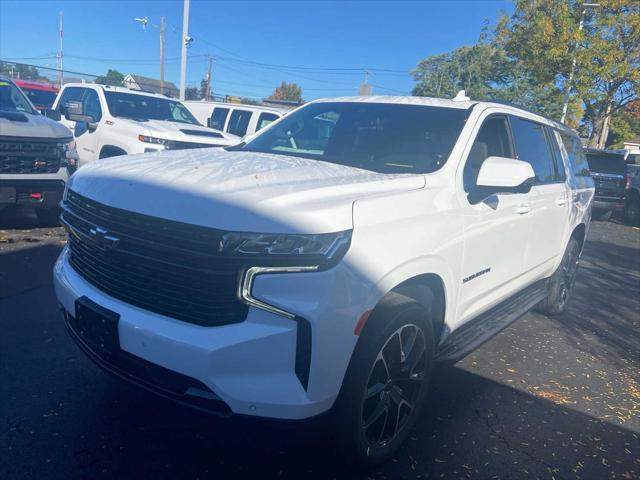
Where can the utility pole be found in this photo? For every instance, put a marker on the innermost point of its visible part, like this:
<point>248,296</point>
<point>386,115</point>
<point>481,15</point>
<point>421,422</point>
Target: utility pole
<point>207,95</point>
<point>60,56</point>
<point>567,87</point>
<point>365,88</point>
<point>185,41</point>
<point>161,55</point>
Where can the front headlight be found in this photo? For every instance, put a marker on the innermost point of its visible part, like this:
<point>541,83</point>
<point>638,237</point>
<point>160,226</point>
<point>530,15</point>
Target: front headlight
<point>155,140</point>
<point>323,250</point>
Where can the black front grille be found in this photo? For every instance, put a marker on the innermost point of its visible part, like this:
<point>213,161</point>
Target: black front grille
<point>176,145</point>
<point>27,157</point>
<point>163,266</point>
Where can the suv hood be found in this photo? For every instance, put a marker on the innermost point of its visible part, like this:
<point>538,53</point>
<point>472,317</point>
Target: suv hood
<point>239,191</point>
<point>35,127</point>
<point>174,131</point>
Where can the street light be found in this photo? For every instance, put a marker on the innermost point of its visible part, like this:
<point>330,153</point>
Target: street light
<point>567,88</point>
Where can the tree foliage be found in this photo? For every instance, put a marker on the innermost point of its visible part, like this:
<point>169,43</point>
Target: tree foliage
<point>291,92</point>
<point>112,77</point>
<point>21,71</point>
<point>527,59</point>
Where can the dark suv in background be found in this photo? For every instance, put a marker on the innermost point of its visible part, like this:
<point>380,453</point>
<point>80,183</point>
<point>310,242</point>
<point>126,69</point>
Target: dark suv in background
<point>609,173</point>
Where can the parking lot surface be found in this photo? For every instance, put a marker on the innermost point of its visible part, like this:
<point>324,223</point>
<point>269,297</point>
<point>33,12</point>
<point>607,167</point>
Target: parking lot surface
<point>553,398</point>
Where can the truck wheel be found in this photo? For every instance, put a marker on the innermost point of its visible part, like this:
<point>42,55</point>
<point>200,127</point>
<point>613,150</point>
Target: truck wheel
<point>386,382</point>
<point>48,217</point>
<point>560,284</point>
<point>632,209</point>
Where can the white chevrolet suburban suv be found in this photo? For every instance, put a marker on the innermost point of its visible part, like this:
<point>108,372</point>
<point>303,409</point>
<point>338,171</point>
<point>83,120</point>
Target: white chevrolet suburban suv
<point>109,121</point>
<point>327,264</point>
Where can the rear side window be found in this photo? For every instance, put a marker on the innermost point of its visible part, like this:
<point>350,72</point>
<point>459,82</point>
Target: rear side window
<point>218,117</point>
<point>531,146</point>
<point>558,163</point>
<point>265,119</point>
<point>492,140</point>
<point>239,122</point>
<point>575,152</point>
<point>606,163</point>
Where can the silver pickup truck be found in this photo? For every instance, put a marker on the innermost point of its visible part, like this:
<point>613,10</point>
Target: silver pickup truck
<point>37,155</point>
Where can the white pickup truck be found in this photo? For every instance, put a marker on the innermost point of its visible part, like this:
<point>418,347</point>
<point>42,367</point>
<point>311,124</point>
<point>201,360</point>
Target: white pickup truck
<point>108,121</point>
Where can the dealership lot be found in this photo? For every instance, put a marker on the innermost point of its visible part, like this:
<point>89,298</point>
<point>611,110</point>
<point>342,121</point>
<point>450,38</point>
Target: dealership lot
<point>547,398</point>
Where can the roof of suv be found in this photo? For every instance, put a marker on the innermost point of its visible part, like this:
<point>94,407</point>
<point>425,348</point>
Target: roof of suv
<point>110,88</point>
<point>443,102</point>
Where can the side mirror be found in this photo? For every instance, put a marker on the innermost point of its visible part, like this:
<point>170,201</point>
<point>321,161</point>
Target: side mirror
<point>504,174</point>
<point>74,111</point>
<point>52,114</point>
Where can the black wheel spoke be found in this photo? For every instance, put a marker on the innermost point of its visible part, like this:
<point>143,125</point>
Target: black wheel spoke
<point>375,390</point>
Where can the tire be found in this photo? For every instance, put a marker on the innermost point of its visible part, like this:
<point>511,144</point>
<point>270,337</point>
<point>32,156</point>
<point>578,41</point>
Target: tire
<point>48,217</point>
<point>603,216</point>
<point>368,396</point>
<point>560,284</point>
<point>632,209</point>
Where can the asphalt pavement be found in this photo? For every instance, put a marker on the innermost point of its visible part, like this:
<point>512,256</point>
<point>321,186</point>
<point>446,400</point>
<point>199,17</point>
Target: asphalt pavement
<point>549,398</point>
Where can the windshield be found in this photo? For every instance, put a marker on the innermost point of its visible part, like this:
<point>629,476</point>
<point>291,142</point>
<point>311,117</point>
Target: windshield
<point>12,99</point>
<point>602,163</point>
<point>381,137</point>
<point>143,107</point>
<point>40,98</point>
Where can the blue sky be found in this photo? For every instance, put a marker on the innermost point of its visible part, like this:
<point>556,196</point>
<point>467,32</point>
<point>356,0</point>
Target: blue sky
<point>253,43</point>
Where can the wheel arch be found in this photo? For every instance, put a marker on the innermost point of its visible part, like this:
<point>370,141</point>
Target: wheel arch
<point>580,233</point>
<point>111,150</point>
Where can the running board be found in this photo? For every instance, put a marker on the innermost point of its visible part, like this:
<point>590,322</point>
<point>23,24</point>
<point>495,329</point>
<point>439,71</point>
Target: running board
<point>475,332</point>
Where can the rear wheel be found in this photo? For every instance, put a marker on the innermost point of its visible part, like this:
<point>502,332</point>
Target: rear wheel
<point>560,285</point>
<point>632,209</point>
<point>386,382</point>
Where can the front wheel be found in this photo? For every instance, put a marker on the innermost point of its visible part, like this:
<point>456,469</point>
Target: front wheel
<point>386,382</point>
<point>560,284</point>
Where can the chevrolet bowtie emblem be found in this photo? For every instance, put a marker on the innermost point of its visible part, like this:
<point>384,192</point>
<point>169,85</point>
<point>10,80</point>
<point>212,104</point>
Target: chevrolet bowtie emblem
<point>101,237</point>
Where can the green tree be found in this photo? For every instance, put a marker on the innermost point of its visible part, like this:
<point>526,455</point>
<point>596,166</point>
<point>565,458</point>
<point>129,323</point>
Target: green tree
<point>625,125</point>
<point>544,36</point>
<point>112,77</point>
<point>21,71</point>
<point>287,91</point>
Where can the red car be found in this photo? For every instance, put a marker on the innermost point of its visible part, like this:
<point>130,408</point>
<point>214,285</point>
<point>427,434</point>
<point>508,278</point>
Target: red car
<point>42,95</point>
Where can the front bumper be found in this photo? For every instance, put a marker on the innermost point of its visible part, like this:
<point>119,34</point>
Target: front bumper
<point>38,193</point>
<point>249,366</point>
<point>615,204</point>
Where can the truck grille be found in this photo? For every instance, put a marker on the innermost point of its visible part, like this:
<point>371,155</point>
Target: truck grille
<point>163,266</point>
<point>27,157</point>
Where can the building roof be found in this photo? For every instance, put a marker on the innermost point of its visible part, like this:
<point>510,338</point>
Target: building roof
<point>152,85</point>
<point>634,141</point>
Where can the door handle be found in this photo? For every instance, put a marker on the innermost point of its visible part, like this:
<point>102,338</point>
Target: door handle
<point>522,209</point>
<point>561,201</point>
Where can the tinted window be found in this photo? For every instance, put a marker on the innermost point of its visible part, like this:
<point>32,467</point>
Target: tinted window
<point>606,163</point>
<point>265,119</point>
<point>92,104</point>
<point>492,140</point>
<point>40,98</point>
<point>71,94</point>
<point>145,107</point>
<point>557,155</point>
<point>382,137</point>
<point>218,117</point>
<point>531,146</point>
<point>575,152</point>
<point>239,122</point>
<point>12,99</point>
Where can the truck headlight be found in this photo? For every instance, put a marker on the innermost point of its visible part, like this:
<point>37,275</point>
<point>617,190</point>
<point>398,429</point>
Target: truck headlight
<point>323,250</point>
<point>155,140</point>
